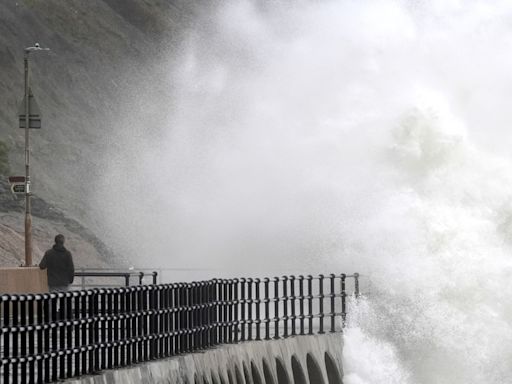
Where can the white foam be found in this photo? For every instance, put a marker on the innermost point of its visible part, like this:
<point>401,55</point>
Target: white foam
<point>345,135</point>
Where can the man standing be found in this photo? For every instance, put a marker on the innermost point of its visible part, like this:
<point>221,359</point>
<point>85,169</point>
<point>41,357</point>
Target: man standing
<point>59,262</point>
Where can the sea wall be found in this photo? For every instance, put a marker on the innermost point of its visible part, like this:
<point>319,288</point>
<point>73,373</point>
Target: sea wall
<point>312,359</point>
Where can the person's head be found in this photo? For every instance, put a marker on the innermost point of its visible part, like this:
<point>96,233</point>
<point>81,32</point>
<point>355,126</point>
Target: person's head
<point>59,239</point>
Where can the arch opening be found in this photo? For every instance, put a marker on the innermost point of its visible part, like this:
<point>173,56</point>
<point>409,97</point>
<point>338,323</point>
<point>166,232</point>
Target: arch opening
<point>282,375</point>
<point>314,371</point>
<point>298,373</point>
<point>247,376</point>
<point>238,375</point>
<point>214,378</point>
<point>256,377</point>
<point>267,373</point>
<point>333,373</point>
<point>230,377</point>
<point>222,377</point>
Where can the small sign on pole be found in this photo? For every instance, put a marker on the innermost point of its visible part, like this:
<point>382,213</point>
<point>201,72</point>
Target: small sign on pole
<point>18,184</point>
<point>18,188</point>
<point>34,113</point>
<point>16,179</point>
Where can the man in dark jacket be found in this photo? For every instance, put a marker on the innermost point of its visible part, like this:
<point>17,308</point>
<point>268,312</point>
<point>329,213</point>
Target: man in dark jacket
<point>59,262</point>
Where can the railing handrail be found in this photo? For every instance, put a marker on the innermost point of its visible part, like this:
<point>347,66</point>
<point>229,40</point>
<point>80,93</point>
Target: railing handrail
<point>124,274</point>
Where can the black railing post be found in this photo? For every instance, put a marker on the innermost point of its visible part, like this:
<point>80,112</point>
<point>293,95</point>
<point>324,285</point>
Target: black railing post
<point>96,329</point>
<point>310,304</point>
<point>356,284</point>
<point>242,319</point>
<point>235,302</point>
<point>69,334</point>
<point>301,304</point>
<point>161,326</point>
<point>215,311</point>
<point>7,308</point>
<point>31,302</point>
<point>165,325</point>
<point>46,321</point>
<point>332,294</point>
<point>61,323</point>
<point>285,306</point>
<point>54,335</point>
<point>177,319</point>
<point>230,312</point>
<point>257,285</point>
<point>321,297</point>
<point>208,313</point>
<point>225,318</point>
<point>155,277</point>
<point>191,331</point>
<point>39,336</point>
<point>343,300</point>
<point>192,314</point>
<point>203,317</point>
<point>172,320</point>
<point>266,301</point>
<point>108,330</point>
<point>80,332</point>
<point>186,316</point>
<point>130,322</point>
<point>293,304</point>
<point>152,290</point>
<point>23,338</point>
<point>249,300</point>
<point>15,336</point>
<point>118,312</point>
<point>4,337</point>
<point>101,336</point>
<point>276,307</point>
<point>243,313</point>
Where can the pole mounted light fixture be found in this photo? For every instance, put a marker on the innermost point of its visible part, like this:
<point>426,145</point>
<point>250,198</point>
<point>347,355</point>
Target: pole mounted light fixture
<point>30,119</point>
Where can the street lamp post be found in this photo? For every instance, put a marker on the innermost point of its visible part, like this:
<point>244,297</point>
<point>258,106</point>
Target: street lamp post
<point>28,215</point>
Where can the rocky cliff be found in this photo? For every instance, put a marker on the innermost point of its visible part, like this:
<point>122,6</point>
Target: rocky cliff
<point>101,50</point>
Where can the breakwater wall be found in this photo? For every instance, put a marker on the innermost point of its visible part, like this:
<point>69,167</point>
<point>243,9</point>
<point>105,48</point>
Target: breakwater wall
<point>314,359</point>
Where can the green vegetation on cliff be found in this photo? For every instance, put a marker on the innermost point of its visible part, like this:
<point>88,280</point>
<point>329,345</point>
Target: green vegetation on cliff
<point>4,158</point>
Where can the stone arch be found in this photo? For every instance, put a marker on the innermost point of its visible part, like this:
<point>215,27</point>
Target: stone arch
<point>333,373</point>
<point>222,376</point>
<point>238,375</point>
<point>282,374</point>
<point>298,373</point>
<point>214,378</point>
<point>247,376</point>
<point>230,377</point>
<point>256,377</point>
<point>267,373</point>
<point>314,371</point>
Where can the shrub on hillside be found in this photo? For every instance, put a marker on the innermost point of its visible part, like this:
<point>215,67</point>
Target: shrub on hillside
<point>4,158</point>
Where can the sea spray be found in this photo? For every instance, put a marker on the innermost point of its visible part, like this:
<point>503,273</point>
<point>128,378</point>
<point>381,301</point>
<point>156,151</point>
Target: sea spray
<point>363,136</point>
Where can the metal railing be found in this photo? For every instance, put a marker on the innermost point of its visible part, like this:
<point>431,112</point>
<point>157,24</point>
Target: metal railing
<point>50,337</point>
<point>126,275</point>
